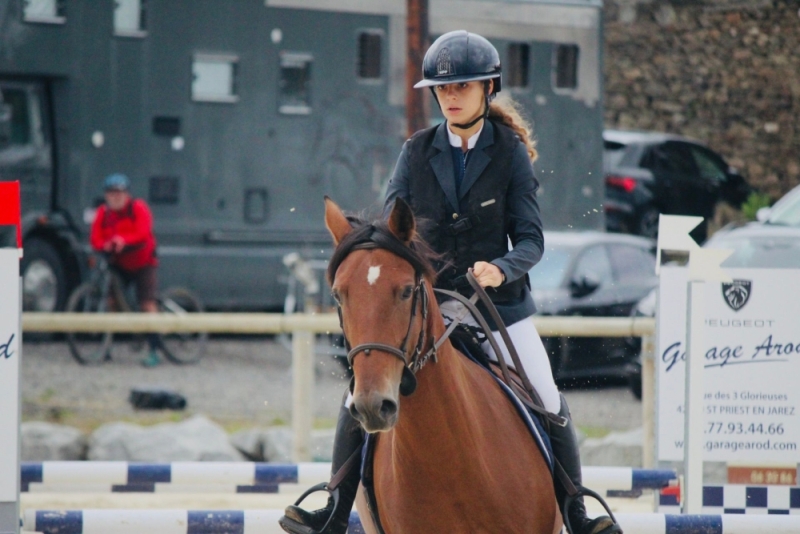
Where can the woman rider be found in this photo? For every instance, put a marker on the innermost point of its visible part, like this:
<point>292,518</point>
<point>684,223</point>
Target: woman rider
<point>471,177</point>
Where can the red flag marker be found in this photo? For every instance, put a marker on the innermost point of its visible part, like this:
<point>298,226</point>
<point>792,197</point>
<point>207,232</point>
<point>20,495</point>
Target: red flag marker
<point>9,207</point>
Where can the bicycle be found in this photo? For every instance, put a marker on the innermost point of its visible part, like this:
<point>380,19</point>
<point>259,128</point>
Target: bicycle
<point>305,294</point>
<point>105,292</point>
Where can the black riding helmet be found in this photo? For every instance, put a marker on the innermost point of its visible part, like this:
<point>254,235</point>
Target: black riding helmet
<point>457,57</point>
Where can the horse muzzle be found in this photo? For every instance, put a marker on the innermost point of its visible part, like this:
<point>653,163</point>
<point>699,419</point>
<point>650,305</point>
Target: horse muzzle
<point>375,412</point>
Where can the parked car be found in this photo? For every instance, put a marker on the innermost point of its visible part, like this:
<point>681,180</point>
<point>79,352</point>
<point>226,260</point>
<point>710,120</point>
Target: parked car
<point>648,173</point>
<point>774,243</point>
<point>591,274</point>
<point>785,212</point>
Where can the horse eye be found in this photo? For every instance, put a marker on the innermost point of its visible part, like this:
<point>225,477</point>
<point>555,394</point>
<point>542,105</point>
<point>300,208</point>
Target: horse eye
<point>407,291</point>
<point>336,297</point>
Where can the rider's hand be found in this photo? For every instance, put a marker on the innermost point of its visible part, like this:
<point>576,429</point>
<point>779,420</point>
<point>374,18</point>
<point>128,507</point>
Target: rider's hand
<point>108,246</point>
<point>117,244</point>
<point>487,274</point>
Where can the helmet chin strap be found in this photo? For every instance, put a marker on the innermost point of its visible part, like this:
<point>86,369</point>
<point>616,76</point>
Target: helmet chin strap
<point>475,121</point>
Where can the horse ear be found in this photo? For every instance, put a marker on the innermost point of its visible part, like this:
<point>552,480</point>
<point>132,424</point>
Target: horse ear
<point>401,221</point>
<point>335,221</point>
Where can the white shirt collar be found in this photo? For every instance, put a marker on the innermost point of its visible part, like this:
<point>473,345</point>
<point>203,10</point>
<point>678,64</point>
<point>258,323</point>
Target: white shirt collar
<point>456,140</point>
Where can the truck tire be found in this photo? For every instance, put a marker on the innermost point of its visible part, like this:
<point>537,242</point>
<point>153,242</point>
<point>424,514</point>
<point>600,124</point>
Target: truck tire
<point>44,280</point>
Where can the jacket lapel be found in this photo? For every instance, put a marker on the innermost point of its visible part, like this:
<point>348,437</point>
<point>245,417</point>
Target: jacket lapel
<point>478,159</point>
<point>442,164</point>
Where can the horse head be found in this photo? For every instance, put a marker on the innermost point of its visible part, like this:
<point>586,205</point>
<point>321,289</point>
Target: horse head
<point>381,277</point>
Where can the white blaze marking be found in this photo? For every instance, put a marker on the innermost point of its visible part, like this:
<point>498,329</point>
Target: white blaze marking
<point>373,274</point>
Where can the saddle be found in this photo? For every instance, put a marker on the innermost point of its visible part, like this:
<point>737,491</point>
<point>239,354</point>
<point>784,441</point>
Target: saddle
<point>469,340</point>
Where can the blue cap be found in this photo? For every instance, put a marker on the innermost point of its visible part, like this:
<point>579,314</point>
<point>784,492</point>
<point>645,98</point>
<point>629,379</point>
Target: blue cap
<point>117,182</point>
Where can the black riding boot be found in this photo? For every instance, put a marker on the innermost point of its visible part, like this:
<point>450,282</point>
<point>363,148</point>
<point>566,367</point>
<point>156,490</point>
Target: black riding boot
<point>565,449</point>
<point>349,438</point>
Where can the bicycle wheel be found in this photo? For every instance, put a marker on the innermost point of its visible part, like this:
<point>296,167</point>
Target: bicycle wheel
<point>182,347</point>
<point>88,348</point>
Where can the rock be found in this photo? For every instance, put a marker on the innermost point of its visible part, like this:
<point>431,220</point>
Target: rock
<point>42,441</point>
<point>616,449</point>
<point>278,444</point>
<point>322,445</point>
<point>250,443</point>
<point>196,439</point>
<point>275,444</point>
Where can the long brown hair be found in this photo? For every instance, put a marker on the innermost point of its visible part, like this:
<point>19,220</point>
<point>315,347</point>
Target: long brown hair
<point>507,112</point>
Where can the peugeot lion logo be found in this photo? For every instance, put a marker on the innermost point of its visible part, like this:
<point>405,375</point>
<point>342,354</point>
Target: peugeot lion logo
<point>737,293</point>
<point>443,64</point>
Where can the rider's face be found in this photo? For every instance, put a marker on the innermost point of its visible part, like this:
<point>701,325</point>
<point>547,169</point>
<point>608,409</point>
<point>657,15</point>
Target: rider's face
<point>461,102</point>
<point>116,199</point>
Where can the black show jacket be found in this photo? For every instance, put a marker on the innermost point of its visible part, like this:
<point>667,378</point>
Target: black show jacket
<point>497,201</point>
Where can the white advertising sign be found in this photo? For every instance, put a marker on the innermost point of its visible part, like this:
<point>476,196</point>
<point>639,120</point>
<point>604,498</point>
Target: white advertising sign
<point>9,373</point>
<point>751,371</point>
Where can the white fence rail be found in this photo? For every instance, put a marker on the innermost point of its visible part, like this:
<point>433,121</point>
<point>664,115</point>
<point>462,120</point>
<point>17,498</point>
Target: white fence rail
<point>302,326</point>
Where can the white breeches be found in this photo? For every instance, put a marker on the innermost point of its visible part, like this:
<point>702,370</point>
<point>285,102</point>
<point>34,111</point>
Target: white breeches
<point>529,347</point>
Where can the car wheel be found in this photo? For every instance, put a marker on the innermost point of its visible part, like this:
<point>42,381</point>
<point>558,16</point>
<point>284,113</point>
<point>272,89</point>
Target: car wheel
<point>647,225</point>
<point>44,280</point>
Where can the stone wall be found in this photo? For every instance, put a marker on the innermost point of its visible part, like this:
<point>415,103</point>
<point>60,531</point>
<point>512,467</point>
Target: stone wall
<point>725,72</point>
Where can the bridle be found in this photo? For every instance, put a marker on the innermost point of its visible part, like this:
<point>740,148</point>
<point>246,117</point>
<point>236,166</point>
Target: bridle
<point>412,362</point>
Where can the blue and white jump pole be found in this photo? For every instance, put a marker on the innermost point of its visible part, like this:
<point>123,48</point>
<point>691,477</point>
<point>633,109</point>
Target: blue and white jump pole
<point>266,522</point>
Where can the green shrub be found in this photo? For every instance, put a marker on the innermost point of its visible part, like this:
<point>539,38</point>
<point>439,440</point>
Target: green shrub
<point>755,202</point>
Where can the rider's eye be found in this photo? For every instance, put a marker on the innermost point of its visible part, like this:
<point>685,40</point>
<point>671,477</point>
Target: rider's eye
<point>463,85</point>
<point>407,291</point>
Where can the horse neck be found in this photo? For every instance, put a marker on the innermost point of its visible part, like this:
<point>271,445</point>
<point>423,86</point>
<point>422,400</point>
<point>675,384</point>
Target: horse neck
<point>446,391</point>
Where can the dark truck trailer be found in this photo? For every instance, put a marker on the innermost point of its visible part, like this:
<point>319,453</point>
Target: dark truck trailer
<point>234,117</point>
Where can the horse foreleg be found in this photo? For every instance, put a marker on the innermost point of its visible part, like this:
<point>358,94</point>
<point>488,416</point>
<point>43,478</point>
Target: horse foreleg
<point>363,512</point>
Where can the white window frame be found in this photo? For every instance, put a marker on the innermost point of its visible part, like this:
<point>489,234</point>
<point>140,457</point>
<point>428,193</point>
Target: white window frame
<point>286,58</point>
<point>137,33</point>
<point>55,18</point>
<point>233,61</point>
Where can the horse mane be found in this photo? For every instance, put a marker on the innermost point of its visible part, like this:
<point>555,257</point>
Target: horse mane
<point>376,234</point>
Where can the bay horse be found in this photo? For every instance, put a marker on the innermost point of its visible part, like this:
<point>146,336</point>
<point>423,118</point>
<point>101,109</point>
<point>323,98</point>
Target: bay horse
<point>454,456</point>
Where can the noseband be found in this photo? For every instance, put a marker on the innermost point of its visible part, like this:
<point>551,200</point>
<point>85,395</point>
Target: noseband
<point>411,362</point>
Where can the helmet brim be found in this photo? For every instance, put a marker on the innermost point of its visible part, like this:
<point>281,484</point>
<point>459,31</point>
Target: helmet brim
<point>455,79</point>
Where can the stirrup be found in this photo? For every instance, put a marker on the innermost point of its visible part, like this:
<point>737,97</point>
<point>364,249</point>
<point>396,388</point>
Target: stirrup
<point>586,492</point>
<point>322,486</point>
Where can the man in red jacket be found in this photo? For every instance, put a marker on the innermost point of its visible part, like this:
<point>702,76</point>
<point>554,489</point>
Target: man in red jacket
<point>123,227</point>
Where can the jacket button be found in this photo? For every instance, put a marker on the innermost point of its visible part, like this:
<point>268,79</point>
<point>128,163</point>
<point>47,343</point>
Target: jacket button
<point>455,215</point>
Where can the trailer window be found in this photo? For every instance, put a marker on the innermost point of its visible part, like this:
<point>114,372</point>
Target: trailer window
<point>214,78</point>
<point>255,205</point>
<point>295,84</point>
<point>565,66</point>
<point>46,11</point>
<point>163,190</point>
<point>130,18</point>
<point>16,101</point>
<point>369,54</point>
<point>518,59</point>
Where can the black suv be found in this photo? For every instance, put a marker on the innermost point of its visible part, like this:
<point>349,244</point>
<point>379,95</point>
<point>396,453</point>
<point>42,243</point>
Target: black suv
<point>648,173</point>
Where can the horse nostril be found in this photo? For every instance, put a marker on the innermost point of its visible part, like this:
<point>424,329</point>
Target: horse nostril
<point>388,409</point>
<point>354,411</point>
